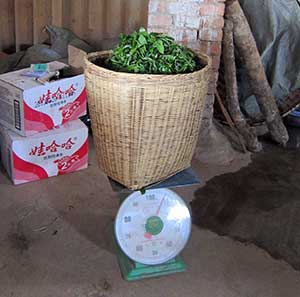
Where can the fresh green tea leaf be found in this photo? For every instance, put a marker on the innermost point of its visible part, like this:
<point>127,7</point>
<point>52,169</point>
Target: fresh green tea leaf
<point>160,46</point>
<point>142,40</point>
<point>153,53</point>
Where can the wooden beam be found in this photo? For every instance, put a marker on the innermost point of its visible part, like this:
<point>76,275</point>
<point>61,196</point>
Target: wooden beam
<point>57,13</point>
<point>97,19</point>
<point>66,13</point>
<point>41,18</point>
<point>114,18</point>
<point>79,18</point>
<point>7,25</point>
<point>133,18</point>
<point>23,23</point>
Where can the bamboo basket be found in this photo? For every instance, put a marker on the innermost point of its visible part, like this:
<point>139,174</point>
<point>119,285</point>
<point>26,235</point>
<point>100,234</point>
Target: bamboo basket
<point>145,127</point>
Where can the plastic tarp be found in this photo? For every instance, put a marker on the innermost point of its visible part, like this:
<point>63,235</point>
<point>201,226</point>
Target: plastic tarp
<point>42,53</point>
<point>275,25</point>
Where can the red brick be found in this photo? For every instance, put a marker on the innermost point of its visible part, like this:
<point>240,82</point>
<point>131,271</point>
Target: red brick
<point>215,63</point>
<point>210,48</point>
<point>213,1</point>
<point>187,21</point>
<point>184,36</point>
<point>188,8</point>
<point>189,36</point>
<point>211,35</point>
<point>153,6</point>
<point>213,22</point>
<point>203,47</point>
<point>158,29</point>
<point>160,20</point>
<point>212,9</point>
<point>159,7</point>
<point>195,46</point>
<point>215,48</point>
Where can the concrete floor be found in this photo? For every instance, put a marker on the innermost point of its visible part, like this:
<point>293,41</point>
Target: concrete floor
<point>55,240</point>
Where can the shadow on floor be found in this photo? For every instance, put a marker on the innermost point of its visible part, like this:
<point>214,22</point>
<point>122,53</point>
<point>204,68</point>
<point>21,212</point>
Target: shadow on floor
<point>259,204</point>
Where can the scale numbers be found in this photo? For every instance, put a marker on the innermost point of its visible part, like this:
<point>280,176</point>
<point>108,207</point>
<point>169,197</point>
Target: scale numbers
<point>169,243</point>
<point>127,219</point>
<point>150,197</point>
<point>139,248</point>
<point>154,253</point>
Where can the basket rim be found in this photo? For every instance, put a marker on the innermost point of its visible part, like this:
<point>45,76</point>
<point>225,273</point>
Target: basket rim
<point>96,54</point>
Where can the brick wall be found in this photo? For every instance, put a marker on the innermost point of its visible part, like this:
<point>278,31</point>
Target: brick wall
<point>197,24</point>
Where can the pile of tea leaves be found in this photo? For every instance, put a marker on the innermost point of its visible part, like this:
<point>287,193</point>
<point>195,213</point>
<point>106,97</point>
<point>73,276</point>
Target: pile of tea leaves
<point>151,53</point>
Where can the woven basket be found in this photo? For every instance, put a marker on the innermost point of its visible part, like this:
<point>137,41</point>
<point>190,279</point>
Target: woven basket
<point>145,127</point>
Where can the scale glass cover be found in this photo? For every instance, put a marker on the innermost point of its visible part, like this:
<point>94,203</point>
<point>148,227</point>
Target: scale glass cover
<point>154,227</point>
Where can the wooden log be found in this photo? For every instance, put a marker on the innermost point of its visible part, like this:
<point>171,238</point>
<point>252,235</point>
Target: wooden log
<point>232,135</point>
<point>231,124</point>
<point>246,46</point>
<point>291,102</point>
<point>232,97</point>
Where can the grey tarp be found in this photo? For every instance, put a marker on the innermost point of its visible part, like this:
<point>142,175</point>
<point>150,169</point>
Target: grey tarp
<point>42,53</point>
<point>276,28</point>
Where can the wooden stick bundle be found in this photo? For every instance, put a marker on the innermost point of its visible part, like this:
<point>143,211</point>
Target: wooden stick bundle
<point>237,25</point>
<point>232,91</point>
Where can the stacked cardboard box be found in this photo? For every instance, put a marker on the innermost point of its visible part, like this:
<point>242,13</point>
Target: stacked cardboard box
<point>40,133</point>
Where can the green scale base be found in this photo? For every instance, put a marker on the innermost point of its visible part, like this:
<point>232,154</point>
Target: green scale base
<point>132,271</point>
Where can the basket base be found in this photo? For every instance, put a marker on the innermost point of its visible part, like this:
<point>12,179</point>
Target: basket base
<point>186,177</point>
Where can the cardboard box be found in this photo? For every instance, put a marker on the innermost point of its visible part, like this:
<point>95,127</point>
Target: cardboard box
<point>61,150</point>
<point>28,107</point>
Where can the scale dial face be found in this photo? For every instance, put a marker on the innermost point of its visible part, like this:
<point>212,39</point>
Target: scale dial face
<point>154,227</point>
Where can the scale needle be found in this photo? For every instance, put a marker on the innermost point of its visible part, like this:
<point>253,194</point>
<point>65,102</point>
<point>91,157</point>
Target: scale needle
<point>159,207</point>
<point>146,234</point>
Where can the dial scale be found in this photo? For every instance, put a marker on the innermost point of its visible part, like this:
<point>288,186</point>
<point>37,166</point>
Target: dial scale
<point>154,227</point>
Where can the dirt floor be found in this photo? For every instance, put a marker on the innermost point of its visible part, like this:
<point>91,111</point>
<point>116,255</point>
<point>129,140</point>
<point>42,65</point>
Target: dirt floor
<point>258,204</point>
<point>55,240</point>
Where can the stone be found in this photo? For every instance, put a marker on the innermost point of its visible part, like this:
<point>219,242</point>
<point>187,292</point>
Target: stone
<point>213,147</point>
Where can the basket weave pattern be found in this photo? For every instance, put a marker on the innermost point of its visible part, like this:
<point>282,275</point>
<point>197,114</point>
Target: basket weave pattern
<point>145,127</point>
